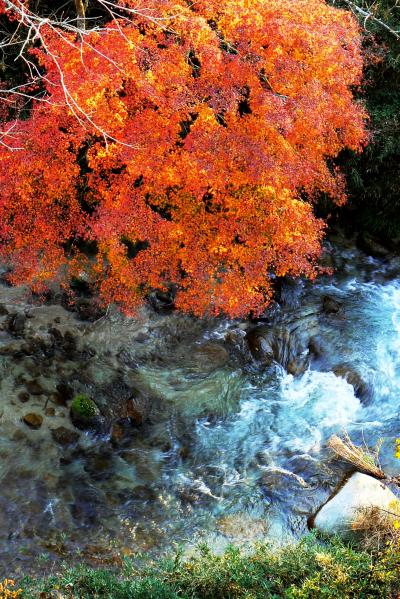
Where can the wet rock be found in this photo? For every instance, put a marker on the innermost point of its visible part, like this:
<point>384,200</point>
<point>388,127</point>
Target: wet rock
<point>85,414</point>
<point>371,246</point>
<point>64,393</point>
<point>330,305</point>
<point>242,527</point>
<point>237,343</point>
<point>120,401</point>
<point>327,259</point>
<point>16,324</point>
<point>33,420</point>
<point>361,388</point>
<point>285,342</point>
<point>10,349</point>
<point>162,301</point>
<point>85,508</point>
<point>34,387</point>
<point>64,436</point>
<point>58,399</point>
<point>210,356</point>
<point>270,315</point>
<point>121,432</point>
<point>99,465</point>
<point>142,493</point>
<point>316,346</point>
<point>117,434</point>
<point>18,436</point>
<point>50,412</point>
<point>297,366</point>
<point>3,310</point>
<point>23,396</point>
<point>360,492</point>
<point>142,337</point>
<point>69,344</point>
<point>56,334</point>
<point>28,348</point>
<point>32,368</point>
<point>188,496</point>
<point>89,309</point>
<point>260,342</point>
<point>288,292</point>
<point>184,452</point>
<point>137,409</point>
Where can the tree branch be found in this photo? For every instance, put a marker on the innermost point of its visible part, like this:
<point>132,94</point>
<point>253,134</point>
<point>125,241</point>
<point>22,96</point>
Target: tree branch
<point>367,15</point>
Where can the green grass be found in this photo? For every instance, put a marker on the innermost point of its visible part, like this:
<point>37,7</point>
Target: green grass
<point>308,570</point>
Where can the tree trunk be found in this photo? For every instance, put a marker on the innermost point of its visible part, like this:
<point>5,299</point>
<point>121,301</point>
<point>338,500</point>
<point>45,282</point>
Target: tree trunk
<point>80,13</point>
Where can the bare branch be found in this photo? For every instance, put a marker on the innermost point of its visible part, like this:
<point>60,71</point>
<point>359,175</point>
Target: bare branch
<point>368,15</point>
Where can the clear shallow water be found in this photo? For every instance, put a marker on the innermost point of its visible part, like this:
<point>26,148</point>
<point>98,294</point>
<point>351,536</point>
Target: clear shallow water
<point>231,452</point>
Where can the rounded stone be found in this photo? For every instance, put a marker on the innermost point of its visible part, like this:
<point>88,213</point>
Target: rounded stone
<point>360,492</point>
<point>85,414</point>
<point>33,420</point>
<point>64,436</point>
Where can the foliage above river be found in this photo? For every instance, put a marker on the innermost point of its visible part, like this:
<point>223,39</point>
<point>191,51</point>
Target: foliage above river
<point>180,141</point>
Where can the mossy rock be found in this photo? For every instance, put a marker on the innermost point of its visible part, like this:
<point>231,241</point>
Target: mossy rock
<point>85,414</point>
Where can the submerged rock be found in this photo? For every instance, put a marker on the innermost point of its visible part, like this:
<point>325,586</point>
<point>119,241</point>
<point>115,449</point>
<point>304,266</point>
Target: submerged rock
<point>119,401</point>
<point>23,396</point>
<point>85,414</point>
<point>32,420</point>
<point>371,246</point>
<point>359,493</point>
<point>209,356</point>
<point>286,342</point>
<point>330,305</point>
<point>16,324</point>
<point>34,387</point>
<point>361,388</point>
<point>260,341</point>
<point>289,291</point>
<point>64,436</point>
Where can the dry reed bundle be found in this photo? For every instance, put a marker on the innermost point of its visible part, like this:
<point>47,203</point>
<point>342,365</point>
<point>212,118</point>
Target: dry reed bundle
<point>378,527</point>
<point>363,458</point>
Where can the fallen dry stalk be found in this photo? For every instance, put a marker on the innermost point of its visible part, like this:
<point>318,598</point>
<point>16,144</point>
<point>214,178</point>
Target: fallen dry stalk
<point>362,458</point>
<point>378,527</point>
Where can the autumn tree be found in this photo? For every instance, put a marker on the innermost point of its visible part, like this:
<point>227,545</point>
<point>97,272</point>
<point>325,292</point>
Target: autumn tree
<point>185,142</point>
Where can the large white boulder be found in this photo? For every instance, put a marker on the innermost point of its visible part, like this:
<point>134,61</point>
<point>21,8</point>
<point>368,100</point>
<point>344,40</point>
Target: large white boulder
<point>359,492</point>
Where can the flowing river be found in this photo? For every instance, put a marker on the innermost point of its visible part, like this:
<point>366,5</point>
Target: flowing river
<point>230,450</point>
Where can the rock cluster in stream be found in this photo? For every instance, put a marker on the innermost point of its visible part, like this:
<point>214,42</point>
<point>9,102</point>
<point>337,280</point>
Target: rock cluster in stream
<point>54,364</point>
<point>152,383</point>
<point>56,361</point>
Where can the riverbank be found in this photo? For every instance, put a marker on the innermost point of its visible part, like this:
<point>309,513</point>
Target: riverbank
<point>307,570</point>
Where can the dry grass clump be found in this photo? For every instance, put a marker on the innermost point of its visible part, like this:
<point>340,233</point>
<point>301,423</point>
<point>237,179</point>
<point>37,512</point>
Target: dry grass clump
<point>377,526</point>
<point>363,458</point>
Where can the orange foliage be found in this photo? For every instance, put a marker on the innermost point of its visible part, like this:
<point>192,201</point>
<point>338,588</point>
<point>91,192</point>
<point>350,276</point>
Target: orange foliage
<point>184,148</point>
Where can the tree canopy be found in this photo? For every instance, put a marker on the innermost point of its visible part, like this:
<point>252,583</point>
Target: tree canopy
<point>185,142</point>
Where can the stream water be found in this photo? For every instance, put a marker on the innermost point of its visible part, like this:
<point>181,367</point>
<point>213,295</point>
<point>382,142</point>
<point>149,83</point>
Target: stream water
<point>231,451</point>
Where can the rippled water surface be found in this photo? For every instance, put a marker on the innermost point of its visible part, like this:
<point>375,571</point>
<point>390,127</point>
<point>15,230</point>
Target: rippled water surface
<point>230,450</point>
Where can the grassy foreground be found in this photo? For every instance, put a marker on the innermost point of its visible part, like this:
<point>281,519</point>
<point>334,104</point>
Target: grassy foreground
<point>310,569</point>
